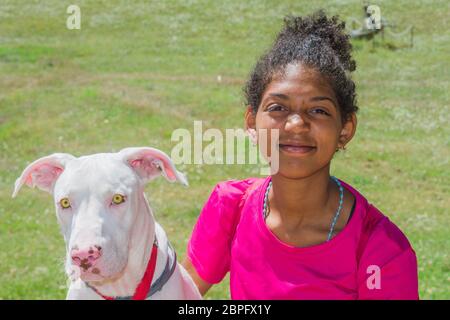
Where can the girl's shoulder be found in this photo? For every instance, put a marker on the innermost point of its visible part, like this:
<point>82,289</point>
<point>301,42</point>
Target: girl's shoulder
<point>383,231</point>
<point>228,197</point>
<point>234,190</point>
<point>385,255</point>
<point>377,230</point>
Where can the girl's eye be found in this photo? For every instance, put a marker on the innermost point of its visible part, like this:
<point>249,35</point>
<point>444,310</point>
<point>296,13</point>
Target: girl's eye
<point>276,107</point>
<point>320,111</point>
<point>65,203</point>
<point>118,199</point>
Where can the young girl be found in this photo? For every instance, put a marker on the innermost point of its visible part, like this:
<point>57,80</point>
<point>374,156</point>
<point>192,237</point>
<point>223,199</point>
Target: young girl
<point>301,233</point>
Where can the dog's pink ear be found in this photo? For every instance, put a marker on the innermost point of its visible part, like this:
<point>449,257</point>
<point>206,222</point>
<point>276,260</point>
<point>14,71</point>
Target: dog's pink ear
<point>43,172</point>
<point>149,163</point>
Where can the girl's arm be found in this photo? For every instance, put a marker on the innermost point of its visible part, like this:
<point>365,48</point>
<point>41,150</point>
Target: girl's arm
<point>202,285</point>
<point>209,248</point>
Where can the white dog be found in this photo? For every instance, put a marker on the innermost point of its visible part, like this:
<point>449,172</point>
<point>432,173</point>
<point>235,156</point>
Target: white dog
<point>115,249</point>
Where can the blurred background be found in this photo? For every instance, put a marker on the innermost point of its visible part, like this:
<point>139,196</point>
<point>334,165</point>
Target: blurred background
<point>137,70</point>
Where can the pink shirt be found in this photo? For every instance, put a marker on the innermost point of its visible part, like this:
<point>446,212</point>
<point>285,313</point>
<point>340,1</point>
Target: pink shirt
<point>369,259</point>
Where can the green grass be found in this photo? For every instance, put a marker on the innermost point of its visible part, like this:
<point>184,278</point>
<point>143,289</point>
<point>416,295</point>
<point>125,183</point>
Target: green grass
<point>135,72</point>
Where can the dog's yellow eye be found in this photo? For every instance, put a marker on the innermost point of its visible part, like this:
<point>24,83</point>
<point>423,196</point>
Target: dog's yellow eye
<point>65,203</point>
<point>118,199</point>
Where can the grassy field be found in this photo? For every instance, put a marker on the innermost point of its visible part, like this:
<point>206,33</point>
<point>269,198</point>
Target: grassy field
<point>138,70</point>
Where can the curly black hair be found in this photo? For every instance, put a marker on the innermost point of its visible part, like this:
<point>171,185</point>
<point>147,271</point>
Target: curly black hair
<point>317,42</point>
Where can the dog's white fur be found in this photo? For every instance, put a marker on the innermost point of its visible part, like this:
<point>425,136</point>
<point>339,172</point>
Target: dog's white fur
<point>125,231</point>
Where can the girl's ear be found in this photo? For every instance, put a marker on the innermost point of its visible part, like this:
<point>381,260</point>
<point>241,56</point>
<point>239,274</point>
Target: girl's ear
<point>250,125</point>
<point>348,131</point>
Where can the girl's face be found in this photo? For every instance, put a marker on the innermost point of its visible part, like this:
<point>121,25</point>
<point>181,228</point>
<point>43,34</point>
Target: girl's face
<point>303,107</point>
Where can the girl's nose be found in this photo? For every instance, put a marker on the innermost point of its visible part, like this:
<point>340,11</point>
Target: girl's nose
<point>296,123</point>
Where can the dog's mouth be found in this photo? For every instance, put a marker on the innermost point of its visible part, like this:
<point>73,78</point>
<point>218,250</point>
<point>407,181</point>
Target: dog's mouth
<point>94,274</point>
<point>92,277</point>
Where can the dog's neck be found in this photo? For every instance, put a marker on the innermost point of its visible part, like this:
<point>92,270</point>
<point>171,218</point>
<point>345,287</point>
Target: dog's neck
<point>141,243</point>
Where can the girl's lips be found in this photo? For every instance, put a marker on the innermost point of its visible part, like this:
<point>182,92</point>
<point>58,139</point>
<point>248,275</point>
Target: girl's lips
<point>296,149</point>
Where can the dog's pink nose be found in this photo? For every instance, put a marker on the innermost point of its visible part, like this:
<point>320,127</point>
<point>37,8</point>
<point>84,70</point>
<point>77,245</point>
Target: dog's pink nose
<point>86,258</point>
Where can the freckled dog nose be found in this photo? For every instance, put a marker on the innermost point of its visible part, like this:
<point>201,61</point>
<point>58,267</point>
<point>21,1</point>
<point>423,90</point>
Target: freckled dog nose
<point>85,258</point>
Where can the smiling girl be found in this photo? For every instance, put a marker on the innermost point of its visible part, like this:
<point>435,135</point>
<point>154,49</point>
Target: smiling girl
<point>301,233</point>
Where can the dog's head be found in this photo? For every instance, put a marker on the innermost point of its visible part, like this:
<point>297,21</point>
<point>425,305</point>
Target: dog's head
<point>97,199</point>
